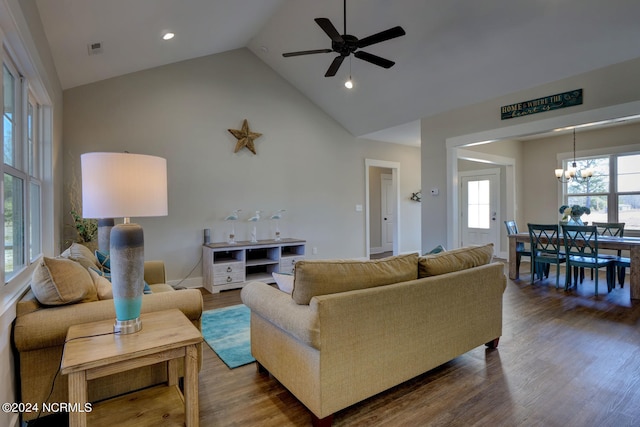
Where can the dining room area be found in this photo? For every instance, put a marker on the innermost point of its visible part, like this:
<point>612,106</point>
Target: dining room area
<point>571,249</point>
<point>584,176</point>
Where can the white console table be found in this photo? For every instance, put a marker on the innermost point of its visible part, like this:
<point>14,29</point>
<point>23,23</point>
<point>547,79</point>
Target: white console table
<point>230,266</point>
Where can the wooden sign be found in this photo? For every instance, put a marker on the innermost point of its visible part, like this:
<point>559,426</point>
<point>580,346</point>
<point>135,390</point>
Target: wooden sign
<point>547,103</point>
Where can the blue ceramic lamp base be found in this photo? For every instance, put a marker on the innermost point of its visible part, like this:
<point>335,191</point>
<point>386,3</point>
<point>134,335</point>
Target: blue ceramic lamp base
<point>127,275</point>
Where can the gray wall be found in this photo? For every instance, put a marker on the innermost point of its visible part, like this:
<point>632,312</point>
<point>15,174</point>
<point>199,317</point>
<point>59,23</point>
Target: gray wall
<point>306,163</point>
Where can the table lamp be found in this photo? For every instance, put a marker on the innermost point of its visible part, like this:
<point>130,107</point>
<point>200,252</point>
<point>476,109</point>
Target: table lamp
<point>125,185</point>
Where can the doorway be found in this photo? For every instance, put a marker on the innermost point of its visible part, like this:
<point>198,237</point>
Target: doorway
<point>382,182</point>
<point>387,203</point>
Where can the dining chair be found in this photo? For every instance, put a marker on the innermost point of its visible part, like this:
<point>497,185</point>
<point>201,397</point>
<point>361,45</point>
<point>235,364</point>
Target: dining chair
<point>545,249</point>
<point>512,228</point>
<point>615,229</point>
<point>581,249</point>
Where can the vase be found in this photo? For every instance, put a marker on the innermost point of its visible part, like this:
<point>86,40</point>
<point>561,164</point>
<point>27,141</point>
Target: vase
<point>232,234</point>
<point>254,234</point>
<point>277,231</point>
<point>575,220</point>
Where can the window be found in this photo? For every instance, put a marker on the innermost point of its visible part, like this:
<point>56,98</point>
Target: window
<point>613,193</point>
<point>479,205</point>
<point>21,171</point>
<point>628,205</point>
<point>35,173</point>
<point>9,115</point>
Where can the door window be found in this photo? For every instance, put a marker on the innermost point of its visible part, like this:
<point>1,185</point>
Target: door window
<point>479,204</point>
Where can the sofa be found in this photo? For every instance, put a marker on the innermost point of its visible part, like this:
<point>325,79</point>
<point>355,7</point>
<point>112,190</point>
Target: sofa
<point>352,329</point>
<point>40,330</point>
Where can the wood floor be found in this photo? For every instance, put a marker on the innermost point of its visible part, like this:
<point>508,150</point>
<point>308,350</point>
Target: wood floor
<point>565,359</point>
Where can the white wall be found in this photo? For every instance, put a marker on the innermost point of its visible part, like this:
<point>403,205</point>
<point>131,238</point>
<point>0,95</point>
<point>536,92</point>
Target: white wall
<point>306,163</point>
<point>604,88</point>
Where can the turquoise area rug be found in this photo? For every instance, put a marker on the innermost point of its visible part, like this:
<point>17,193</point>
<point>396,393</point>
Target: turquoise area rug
<point>226,330</point>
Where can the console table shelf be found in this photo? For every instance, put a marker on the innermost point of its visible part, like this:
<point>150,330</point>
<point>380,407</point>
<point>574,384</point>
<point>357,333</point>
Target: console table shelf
<point>230,266</point>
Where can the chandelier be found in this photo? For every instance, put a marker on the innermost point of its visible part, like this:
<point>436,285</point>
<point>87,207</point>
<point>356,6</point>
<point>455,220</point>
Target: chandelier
<point>572,173</point>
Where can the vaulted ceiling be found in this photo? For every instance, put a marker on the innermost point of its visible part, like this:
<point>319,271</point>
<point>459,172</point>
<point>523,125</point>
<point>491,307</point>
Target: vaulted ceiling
<point>454,53</point>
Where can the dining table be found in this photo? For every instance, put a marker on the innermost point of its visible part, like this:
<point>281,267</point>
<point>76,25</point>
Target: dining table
<point>631,244</point>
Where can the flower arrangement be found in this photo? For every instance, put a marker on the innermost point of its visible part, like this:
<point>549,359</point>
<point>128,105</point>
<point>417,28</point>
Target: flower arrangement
<point>573,211</point>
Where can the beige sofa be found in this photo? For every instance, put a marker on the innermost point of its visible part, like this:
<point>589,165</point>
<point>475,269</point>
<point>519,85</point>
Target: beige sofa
<point>39,334</point>
<point>350,330</point>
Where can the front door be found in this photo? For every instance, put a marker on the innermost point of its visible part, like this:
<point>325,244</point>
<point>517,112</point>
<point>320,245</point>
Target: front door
<point>480,201</point>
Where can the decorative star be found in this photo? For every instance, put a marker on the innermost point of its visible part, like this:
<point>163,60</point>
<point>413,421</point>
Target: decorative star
<point>245,137</point>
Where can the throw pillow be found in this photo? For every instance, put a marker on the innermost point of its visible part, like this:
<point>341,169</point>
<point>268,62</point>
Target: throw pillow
<point>104,261</point>
<point>436,250</point>
<point>59,281</point>
<point>322,277</point>
<point>81,254</point>
<point>146,290</point>
<point>454,260</point>
<point>284,281</point>
<point>102,284</point>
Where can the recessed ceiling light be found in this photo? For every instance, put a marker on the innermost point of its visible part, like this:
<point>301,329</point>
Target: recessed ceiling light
<point>168,36</point>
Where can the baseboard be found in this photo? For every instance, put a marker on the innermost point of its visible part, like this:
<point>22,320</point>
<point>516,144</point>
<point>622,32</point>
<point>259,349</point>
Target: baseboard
<point>377,250</point>
<point>415,251</point>
<point>190,283</point>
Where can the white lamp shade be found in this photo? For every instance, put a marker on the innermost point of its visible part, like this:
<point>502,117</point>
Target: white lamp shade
<point>117,185</point>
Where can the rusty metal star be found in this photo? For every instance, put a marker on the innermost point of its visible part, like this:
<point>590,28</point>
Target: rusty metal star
<point>245,137</point>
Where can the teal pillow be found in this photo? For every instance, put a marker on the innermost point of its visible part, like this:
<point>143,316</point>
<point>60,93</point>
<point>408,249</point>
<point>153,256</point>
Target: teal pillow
<point>104,261</point>
<point>436,250</point>
<point>146,290</point>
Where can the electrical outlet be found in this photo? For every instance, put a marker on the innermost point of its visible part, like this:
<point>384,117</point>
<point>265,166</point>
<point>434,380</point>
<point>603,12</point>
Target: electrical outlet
<point>314,251</point>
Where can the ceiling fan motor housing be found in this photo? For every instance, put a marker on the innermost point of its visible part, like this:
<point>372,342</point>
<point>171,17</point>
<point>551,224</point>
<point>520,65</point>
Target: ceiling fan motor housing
<point>346,48</point>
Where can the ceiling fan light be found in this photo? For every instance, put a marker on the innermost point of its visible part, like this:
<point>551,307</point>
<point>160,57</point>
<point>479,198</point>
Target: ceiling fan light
<point>168,35</point>
<point>348,84</point>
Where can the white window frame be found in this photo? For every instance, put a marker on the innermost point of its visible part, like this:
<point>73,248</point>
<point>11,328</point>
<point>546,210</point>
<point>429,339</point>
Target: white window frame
<point>20,170</point>
<point>612,194</point>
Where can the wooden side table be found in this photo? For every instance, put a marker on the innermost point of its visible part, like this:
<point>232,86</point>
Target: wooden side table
<point>93,351</point>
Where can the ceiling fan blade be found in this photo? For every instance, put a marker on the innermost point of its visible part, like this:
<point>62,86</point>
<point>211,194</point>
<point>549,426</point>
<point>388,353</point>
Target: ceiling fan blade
<point>328,28</point>
<point>306,52</point>
<point>333,68</point>
<point>374,59</point>
<point>382,36</point>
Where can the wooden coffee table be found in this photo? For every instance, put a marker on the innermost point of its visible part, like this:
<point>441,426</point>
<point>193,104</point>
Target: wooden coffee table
<point>93,351</point>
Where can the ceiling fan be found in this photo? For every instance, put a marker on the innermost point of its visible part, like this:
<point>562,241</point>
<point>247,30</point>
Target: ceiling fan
<point>347,44</point>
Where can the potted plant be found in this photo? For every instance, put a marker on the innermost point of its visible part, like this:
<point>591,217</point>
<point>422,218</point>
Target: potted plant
<point>87,229</point>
